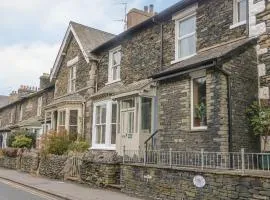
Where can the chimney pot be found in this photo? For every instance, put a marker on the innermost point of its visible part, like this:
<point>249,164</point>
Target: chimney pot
<point>146,9</point>
<point>151,8</point>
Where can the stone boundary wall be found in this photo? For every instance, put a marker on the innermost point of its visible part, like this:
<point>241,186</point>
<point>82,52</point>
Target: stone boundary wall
<point>166,183</point>
<point>97,168</point>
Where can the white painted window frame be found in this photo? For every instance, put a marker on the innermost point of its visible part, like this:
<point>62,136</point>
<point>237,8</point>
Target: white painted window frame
<point>132,109</point>
<point>77,125</point>
<point>110,68</point>
<point>178,18</point>
<point>107,145</point>
<point>236,22</point>
<point>39,106</point>
<point>71,64</point>
<point>64,117</point>
<point>195,75</point>
<point>21,113</point>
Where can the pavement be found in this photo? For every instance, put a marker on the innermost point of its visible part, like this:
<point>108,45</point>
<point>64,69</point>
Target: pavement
<point>63,190</point>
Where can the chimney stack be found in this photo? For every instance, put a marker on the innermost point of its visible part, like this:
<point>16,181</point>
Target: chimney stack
<point>151,9</point>
<point>44,81</point>
<point>136,16</point>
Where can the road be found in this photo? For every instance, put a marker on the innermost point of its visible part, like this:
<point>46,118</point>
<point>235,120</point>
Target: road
<point>11,191</point>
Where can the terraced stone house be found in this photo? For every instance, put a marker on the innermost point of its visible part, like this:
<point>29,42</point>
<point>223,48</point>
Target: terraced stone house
<point>179,79</point>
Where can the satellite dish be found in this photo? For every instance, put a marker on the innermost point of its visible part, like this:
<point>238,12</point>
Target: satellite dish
<point>199,181</point>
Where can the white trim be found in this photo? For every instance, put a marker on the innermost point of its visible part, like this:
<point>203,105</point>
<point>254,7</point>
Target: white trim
<point>186,12</point>
<point>39,106</point>
<point>110,74</point>
<point>177,38</point>
<point>73,61</point>
<point>238,24</point>
<point>107,145</point>
<point>65,41</point>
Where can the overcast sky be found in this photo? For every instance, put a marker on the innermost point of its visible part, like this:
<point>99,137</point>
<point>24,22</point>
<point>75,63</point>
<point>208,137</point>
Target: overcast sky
<point>32,30</point>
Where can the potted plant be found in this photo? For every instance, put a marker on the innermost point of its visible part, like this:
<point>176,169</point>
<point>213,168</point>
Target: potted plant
<point>259,121</point>
<point>200,114</point>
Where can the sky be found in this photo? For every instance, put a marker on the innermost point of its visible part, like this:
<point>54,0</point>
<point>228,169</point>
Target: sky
<point>32,30</point>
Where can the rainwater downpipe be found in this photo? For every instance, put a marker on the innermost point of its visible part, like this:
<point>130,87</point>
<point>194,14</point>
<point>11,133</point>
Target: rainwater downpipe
<point>228,78</point>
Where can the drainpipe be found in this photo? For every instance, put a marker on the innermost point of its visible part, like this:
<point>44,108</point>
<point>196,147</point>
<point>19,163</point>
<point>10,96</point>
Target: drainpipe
<point>83,118</point>
<point>228,77</point>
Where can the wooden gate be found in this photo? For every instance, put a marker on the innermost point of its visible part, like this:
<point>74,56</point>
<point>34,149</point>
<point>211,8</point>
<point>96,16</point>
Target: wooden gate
<point>74,168</point>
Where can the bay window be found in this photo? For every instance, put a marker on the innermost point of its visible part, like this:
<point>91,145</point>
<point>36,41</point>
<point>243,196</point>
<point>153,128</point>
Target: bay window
<point>73,123</point>
<point>62,120</point>
<point>198,102</point>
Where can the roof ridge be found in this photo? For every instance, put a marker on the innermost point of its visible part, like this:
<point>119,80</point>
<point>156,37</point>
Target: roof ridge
<point>89,27</point>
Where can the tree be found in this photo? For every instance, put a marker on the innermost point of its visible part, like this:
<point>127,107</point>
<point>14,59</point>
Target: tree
<point>259,119</point>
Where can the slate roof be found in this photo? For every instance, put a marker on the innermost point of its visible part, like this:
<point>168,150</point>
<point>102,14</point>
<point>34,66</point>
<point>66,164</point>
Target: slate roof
<point>120,88</point>
<point>73,98</point>
<point>32,122</point>
<point>90,37</point>
<point>206,56</point>
<point>3,100</point>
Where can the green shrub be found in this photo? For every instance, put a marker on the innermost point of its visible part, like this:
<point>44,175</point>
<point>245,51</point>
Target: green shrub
<point>11,137</point>
<point>79,146</point>
<point>55,143</point>
<point>21,141</point>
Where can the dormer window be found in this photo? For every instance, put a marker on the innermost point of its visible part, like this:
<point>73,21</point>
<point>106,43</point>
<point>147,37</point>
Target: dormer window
<point>114,65</point>
<point>185,33</point>
<point>239,13</point>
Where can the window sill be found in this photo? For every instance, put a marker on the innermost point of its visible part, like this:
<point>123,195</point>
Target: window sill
<point>238,24</point>
<point>111,82</point>
<point>202,128</point>
<point>103,148</point>
<point>182,59</point>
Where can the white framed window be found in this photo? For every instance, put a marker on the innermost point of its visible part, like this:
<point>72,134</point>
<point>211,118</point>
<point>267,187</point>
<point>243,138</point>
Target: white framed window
<point>73,122</point>
<point>240,8</point>
<point>198,101</point>
<point>39,106</point>
<point>104,125</point>
<point>185,44</point>
<point>11,116</point>
<point>128,116</point>
<point>21,113</point>
<point>114,65</point>
<point>72,78</point>
<point>62,120</point>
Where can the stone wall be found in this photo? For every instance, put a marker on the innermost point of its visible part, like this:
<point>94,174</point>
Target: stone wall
<point>172,184</point>
<point>52,166</point>
<point>9,162</point>
<point>100,168</point>
<point>244,90</point>
<point>175,104</point>
<point>82,71</point>
<point>214,18</point>
<point>29,162</point>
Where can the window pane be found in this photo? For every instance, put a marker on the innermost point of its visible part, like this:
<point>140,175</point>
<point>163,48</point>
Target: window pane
<point>116,58</point>
<point>187,26</point>
<point>199,102</point>
<point>98,115</point>
<point>187,46</point>
<point>114,112</point>
<point>146,114</point>
<point>114,72</point>
<point>103,115</point>
<point>242,10</point>
<point>131,122</point>
<point>98,134</point>
<point>129,103</point>
<point>73,118</point>
<point>103,134</point>
<point>113,136</point>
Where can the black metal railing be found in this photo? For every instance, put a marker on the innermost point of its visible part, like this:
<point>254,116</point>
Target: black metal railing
<point>152,139</point>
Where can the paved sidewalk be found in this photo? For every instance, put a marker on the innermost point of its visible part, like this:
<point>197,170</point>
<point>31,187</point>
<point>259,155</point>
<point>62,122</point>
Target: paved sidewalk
<point>65,190</point>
